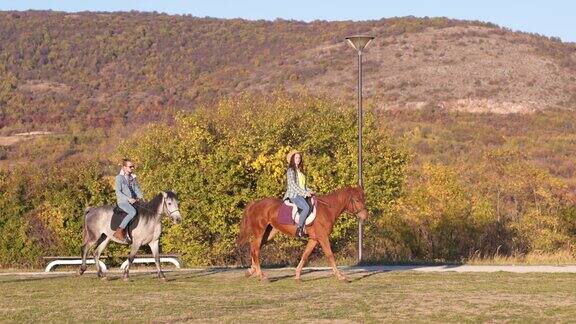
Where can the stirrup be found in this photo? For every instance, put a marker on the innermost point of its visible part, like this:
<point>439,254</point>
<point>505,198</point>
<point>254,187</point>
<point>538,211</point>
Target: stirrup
<point>300,231</point>
<point>127,238</point>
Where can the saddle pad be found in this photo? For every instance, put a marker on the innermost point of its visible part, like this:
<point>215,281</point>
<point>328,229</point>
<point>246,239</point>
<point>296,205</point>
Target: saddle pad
<point>285,215</point>
<point>288,213</point>
<point>119,216</point>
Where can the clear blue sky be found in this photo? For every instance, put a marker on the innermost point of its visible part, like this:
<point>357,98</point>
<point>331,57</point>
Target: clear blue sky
<point>551,17</point>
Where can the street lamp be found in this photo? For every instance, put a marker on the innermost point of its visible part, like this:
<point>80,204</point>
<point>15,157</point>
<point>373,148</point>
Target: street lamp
<point>359,43</point>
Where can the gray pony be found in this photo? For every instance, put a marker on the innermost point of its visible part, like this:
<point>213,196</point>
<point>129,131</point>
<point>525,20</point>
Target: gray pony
<point>145,229</point>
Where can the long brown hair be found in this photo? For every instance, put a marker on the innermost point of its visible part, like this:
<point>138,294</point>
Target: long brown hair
<point>293,164</point>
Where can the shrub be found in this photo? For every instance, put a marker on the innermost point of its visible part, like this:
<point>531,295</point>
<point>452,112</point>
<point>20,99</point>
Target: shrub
<point>220,159</point>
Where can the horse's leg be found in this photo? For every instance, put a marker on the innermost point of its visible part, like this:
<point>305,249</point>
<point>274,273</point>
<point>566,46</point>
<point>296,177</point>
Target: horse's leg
<point>273,233</point>
<point>134,249</point>
<point>325,244</point>
<point>255,252</point>
<point>84,249</point>
<point>156,253</point>
<point>269,233</point>
<point>103,243</point>
<point>307,251</point>
<point>252,269</point>
<point>84,253</point>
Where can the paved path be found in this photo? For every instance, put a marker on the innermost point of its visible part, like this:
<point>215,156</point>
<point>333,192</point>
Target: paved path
<point>351,269</point>
<point>471,268</point>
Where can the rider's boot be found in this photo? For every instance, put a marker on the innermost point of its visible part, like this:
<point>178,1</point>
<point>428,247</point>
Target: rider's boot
<point>120,234</point>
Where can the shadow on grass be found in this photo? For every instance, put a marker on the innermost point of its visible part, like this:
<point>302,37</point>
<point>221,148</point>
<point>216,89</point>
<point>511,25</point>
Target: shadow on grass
<point>355,273</point>
<point>37,278</point>
<point>366,274</point>
<point>199,273</point>
<point>287,276</point>
<point>352,277</point>
<point>316,275</point>
<point>117,276</point>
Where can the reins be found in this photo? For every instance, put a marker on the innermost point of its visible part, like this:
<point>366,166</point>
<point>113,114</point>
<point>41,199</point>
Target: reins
<point>356,210</point>
<point>169,212</point>
<point>322,201</point>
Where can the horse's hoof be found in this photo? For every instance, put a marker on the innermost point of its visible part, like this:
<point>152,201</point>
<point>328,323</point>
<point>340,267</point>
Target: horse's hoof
<point>344,280</point>
<point>298,281</point>
<point>264,280</point>
<point>126,279</point>
<point>248,273</point>
<point>81,271</point>
<point>163,279</point>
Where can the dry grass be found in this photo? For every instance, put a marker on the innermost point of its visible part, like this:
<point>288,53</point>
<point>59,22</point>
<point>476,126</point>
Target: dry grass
<point>461,68</point>
<point>225,296</point>
<point>533,258</point>
<point>10,140</point>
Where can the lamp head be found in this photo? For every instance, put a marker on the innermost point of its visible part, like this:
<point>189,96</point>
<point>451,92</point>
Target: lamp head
<point>359,42</point>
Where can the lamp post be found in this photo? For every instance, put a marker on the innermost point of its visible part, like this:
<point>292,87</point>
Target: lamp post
<point>359,43</point>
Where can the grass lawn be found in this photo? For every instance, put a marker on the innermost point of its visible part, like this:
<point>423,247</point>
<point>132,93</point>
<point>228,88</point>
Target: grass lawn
<point>226,296</point>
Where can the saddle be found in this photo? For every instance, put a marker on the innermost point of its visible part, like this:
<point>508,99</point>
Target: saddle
<point>119,215</point>
<point>289,214</point>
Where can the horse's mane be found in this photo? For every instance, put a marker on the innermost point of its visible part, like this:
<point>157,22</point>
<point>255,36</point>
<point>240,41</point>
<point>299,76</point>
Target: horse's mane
<point>171,195</point>
<point>336,194</point>
<point>148,210</point>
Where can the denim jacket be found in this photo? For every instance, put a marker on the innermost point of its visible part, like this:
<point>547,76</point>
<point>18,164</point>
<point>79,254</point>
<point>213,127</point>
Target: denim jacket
<point>293,189</point>
<point>127,187</point>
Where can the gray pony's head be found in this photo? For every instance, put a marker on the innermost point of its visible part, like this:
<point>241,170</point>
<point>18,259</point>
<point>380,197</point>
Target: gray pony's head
<point>170,206</point>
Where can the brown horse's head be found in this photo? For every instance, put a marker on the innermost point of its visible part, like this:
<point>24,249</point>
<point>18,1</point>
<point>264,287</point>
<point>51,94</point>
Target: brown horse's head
<point>357,204</point>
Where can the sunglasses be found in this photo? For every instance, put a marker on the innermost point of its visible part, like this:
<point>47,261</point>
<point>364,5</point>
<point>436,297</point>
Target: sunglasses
<point>130,166</point>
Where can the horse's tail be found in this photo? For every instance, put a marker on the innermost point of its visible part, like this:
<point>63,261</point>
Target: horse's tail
<point>245,230</point>
<point>85,232</point>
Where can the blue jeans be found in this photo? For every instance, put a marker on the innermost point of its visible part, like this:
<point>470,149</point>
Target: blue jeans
<point>130,210</point>
<point>303,205</point>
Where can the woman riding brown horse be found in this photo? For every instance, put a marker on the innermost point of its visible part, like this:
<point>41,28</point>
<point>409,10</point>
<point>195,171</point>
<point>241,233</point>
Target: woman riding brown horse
<point>259,214</point>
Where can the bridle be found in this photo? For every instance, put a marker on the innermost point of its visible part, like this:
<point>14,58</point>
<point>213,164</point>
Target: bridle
<point>356,210</point>
<point>168,210</point>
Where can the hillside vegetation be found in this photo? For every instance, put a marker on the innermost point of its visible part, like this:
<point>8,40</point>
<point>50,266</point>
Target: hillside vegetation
<point>100,69</point>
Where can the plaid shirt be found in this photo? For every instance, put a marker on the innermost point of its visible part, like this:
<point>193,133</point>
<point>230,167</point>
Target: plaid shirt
<point>293,189</point>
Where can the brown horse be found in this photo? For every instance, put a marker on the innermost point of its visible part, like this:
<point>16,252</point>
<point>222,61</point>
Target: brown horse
<point>261,214</point>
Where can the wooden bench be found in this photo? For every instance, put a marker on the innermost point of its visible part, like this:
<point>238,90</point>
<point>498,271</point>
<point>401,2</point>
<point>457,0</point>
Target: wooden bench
<point>149,258</point>
<point>70,260</point>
